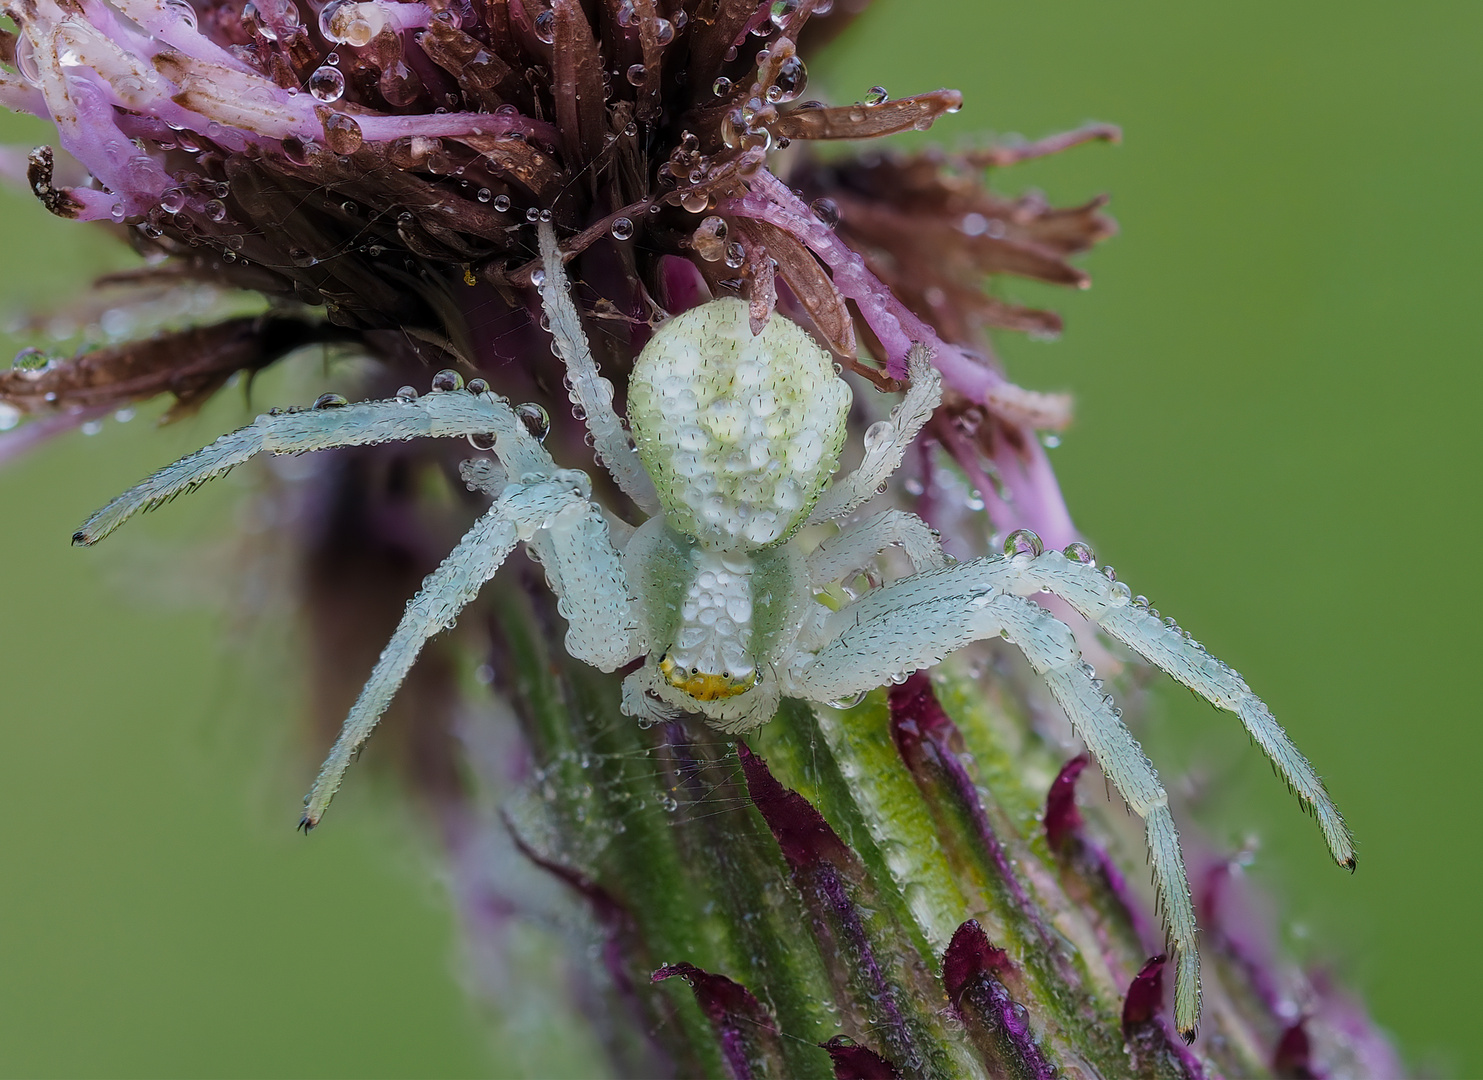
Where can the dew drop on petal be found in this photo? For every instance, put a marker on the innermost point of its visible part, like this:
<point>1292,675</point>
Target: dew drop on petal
<point>721,87</point>
<point>635,74</point>
<point>545,25</point>
<point>709,239</point>
<point>826,210</point>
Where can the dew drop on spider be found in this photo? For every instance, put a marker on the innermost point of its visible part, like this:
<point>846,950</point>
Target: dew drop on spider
<point>407,394</point>
<point>447,379</point>
<point>1029,539</point>
<point>536,419</point>
<point>331,401</point>
<point>877,435</point>
<point>1079,552</point>
<point>482,441</point>
<point>477,386</point>
<point>849,702</point>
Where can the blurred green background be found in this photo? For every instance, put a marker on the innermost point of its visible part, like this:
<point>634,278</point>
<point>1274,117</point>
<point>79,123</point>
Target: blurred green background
<point>1277,380</point>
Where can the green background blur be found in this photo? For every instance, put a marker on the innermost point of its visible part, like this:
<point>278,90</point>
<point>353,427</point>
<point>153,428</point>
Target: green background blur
<point>1277,379</point>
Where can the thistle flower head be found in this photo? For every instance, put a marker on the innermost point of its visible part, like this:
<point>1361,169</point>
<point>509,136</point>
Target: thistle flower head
<point>374,169</point>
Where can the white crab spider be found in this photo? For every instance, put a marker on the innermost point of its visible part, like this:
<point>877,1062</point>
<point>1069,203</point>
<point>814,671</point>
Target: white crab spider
<point>736,439</point>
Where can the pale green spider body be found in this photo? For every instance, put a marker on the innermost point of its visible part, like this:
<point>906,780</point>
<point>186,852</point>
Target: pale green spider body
<point>735,440</point>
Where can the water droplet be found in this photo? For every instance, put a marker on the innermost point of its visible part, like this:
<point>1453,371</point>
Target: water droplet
<point>182,11</point>
<point>502,203</point>
<point>545,215</point>
<point>622,228</point>
<point>826,210</point>
<point>407,394</point>
<point>172,201</point>
<point>635,74</point>
<point>538,278</point>
<point>1079,552</point>
<point>300,257</point>
<point>849,702</point>
<point>781,10</point>
<point>342,133</point>
<point>216,210</point>
<point>735,255</point>
<point>484,194</point>
<point>477,386</point>
<point>546,26</point>
<point>536,419</point>
<point>792,77</point>
<point>664,31</point>
<point>1109,573</point>
<point>447,379</point>
<point>877,435</point>
<point>1026,537</point>
<point>630,129</point>
<point>709,239</point>
<point>482,441</point>
<point>876,95</point>
<point>1050,440</point>
<point>532,214</point>
<point>92,427</point>
<point>626,15</point>
<point>722,86</point>
<point>31,359</point>
<point>330,401</point>
<point>327,84</point>
<point>695,202</point>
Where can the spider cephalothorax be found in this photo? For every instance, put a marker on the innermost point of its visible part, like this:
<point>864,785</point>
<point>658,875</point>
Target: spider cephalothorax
<point>735,438</point>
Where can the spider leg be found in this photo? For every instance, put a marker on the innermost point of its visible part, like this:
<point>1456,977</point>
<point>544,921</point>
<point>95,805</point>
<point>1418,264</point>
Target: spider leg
<point>589,390</point>
<point>886,441</point>
<point>1051,649</point>
<point>523,512</point>
<point>583,568</point>
<point>436,414</point>
<point>1107,603</point>
<point>853,547</point>
<point>916,621</point>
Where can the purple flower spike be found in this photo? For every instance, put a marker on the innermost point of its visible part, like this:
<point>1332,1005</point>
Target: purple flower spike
<point>972,970</point>
<point>855,1062</point>
<point>1062,818</point>
<point>747,1031</point>
<point>1155,1052</point>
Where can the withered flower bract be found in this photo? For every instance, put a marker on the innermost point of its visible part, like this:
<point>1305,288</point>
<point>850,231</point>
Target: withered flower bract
<point>839,893</point>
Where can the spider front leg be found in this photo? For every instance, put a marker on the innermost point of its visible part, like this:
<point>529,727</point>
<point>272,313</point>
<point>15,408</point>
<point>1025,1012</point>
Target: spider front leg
<point>554,515</point>
<point>441,413</point>
<point>1109,604</point>
<point>915,622</point>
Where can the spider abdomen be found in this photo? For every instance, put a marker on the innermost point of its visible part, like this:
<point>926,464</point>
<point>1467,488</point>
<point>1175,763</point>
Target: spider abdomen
<point>739,432</point>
